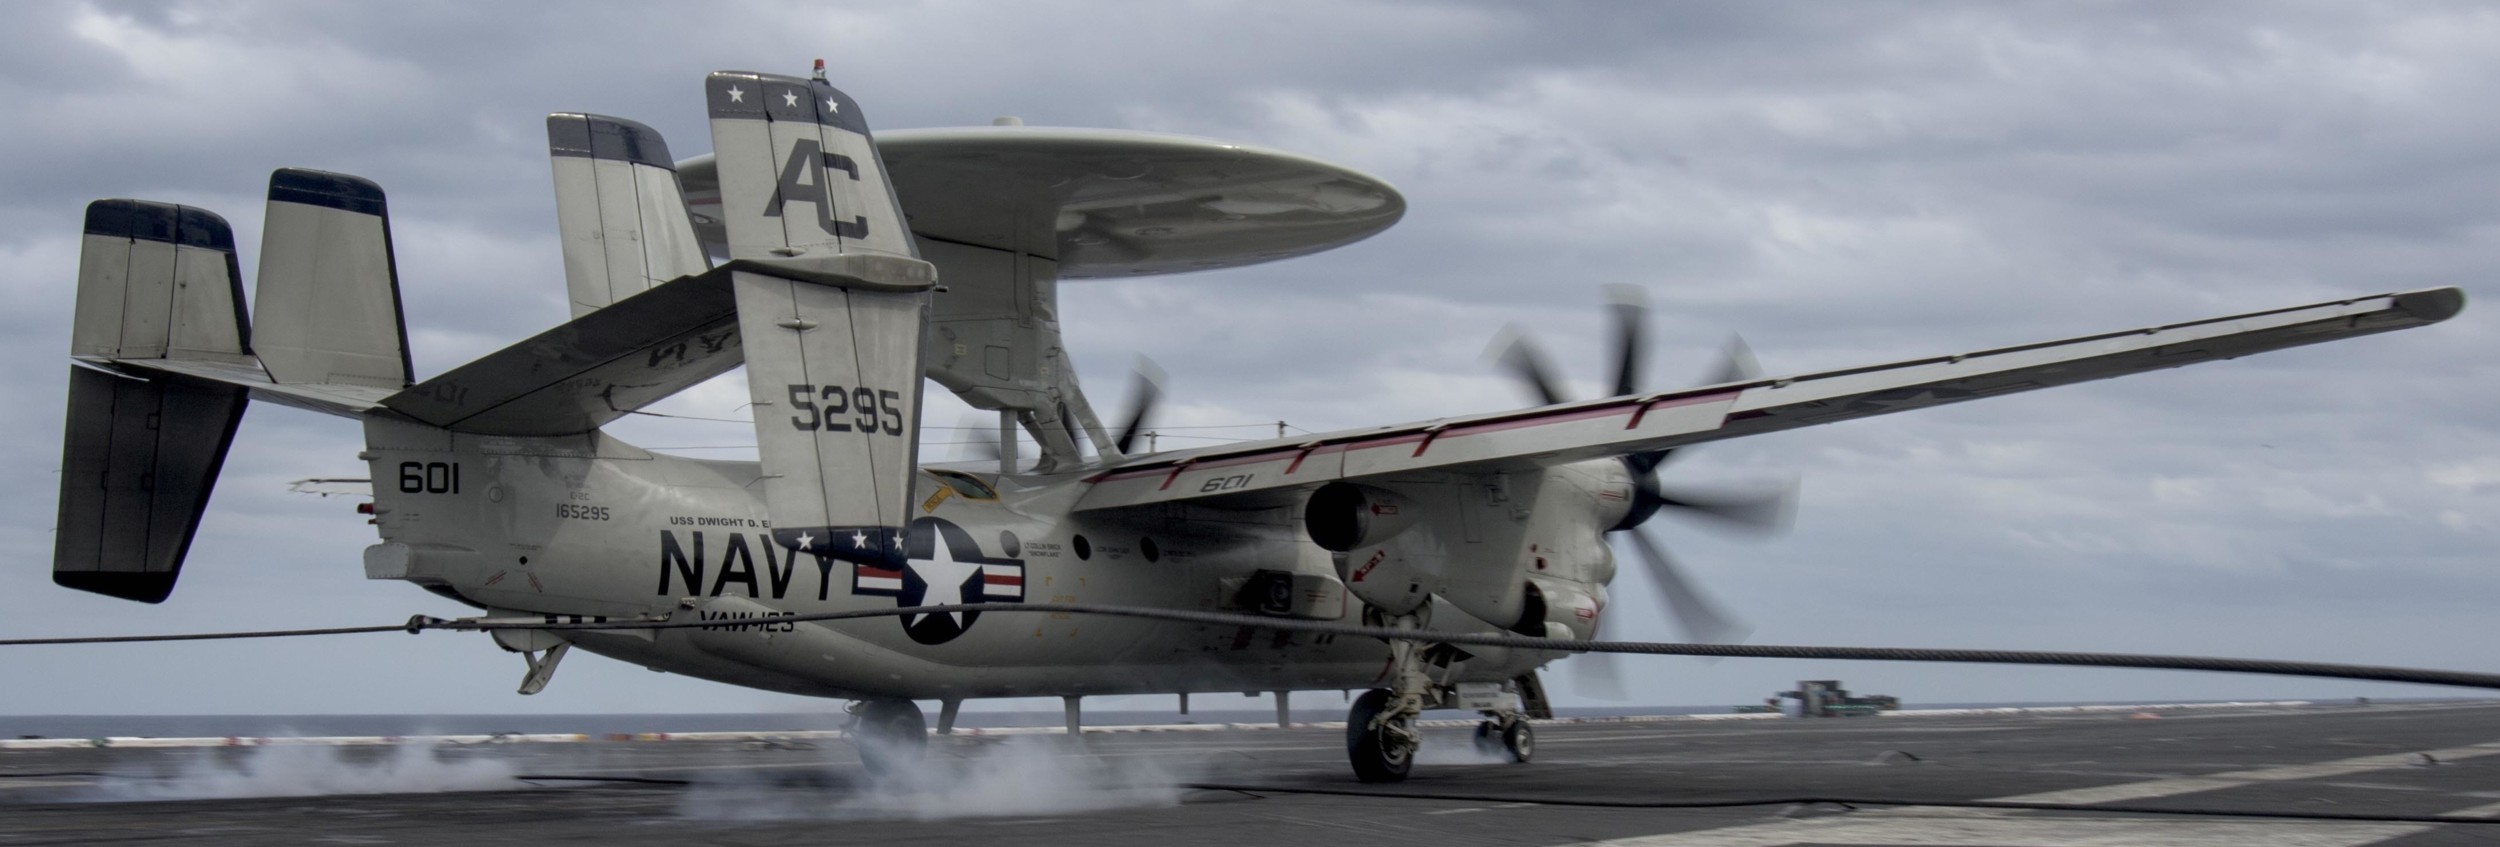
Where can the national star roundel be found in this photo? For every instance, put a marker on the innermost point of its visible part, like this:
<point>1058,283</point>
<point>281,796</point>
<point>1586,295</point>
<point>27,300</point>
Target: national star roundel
<point>943,566</point>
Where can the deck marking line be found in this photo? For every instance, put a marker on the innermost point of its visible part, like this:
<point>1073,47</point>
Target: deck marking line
<point>2486,810</point>
<point>2210,782</point>
<point>1930,826</point>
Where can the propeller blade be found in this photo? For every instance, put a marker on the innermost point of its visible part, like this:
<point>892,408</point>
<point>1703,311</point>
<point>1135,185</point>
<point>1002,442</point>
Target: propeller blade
<point>1598,676</point>
<point>980,438</point>
<point>1752,508</point>
<point>1528,363</point>
<point>1696,616</point>
<point>1736,364</point>
<point>1148,389</point>
<point>1631,312</point>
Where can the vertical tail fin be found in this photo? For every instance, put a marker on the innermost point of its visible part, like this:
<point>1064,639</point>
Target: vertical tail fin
<point>623,218</point>
<point>155,281</point>
<point>329,309</point>
<point>158,281</point>
<point>832,299</point>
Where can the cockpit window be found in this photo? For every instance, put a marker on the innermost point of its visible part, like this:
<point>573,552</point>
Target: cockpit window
<point>966,485</point>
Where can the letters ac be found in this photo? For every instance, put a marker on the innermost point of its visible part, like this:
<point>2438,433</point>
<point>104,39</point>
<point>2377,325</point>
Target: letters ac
<point>803,180</point>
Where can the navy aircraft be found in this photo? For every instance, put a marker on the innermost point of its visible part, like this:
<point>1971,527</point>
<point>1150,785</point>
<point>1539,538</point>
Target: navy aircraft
<point>845,272</point>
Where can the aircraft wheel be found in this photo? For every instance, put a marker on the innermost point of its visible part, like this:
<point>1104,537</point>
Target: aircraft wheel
<point>890,735</point>
<point>1489,740</point>
<point>1377,755</point>
<point>1519,740</point>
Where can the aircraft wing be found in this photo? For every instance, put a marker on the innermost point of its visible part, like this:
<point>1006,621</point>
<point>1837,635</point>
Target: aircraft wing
<point>1263,473</point>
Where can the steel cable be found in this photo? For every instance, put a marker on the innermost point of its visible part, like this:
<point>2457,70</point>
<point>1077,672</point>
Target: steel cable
<point>2377,673</point>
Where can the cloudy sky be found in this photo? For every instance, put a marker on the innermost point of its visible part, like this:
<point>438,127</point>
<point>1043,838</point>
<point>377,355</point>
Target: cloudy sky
<point>1841,184</point>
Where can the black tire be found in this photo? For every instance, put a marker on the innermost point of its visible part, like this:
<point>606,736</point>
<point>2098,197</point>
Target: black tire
<point>1520,740</point>
<point>1489,740</point>
<point>891,735</point>
<point>1370,750</point>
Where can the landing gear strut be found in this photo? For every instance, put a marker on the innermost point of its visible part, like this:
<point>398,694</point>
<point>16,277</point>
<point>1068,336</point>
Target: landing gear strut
<point>890,734</point>
<point>1380,732</point>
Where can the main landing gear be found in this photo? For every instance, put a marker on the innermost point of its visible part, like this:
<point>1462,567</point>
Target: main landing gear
<point>1511,737</point>
<point>890,734</point>
<point>1381,731</point>
<point>1380,743</point>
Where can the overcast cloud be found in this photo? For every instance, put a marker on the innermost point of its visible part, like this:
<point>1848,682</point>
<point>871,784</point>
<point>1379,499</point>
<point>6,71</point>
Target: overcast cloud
<point>1843,184</point>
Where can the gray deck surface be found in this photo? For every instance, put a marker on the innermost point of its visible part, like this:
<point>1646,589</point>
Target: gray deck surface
<point>1133,789</point>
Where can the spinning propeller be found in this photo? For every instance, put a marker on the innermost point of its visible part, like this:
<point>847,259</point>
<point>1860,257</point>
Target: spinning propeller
<point>1145,392</point>
<point>1762,508</point>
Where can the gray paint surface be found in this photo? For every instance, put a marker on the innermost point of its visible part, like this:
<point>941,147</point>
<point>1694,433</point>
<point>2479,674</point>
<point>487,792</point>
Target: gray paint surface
<point>1844,185</point>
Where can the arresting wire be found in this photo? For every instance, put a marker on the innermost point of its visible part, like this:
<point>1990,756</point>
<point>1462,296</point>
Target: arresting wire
<point>421,623</point>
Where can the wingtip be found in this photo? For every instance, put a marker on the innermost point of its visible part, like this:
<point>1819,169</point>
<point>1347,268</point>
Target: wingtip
<point>2432,305</point>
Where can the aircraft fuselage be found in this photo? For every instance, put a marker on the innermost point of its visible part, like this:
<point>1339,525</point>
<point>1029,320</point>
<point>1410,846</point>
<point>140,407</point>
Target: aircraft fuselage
<point>587,526</point>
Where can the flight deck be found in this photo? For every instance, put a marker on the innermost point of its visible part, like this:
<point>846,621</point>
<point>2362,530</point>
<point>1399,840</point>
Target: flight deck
<point>2407,775</point>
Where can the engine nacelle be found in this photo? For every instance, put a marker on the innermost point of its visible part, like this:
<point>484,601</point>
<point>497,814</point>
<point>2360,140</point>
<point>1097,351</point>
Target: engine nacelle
<point>1561,608</point>
<point>1342,516</point>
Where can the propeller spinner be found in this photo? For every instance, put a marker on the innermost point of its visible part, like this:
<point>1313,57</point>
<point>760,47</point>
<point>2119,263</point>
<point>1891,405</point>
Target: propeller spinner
<point>1756,507</point>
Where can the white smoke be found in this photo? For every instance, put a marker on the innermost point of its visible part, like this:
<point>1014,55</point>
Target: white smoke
<point>1444,748</point>
<point>1030,775</point>
<point>291,770</point>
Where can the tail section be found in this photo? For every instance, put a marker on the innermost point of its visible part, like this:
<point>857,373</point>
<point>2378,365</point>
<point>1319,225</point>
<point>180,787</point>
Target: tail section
<point>831,299</point>
<point>328,309</point>
<point>622,216</point>
<point>160,316</point>
<point>157,280</point>
<point>157,284</point>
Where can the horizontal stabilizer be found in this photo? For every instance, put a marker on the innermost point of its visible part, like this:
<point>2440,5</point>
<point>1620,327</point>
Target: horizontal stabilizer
<point>138,462</point>
<point>622,217</point>
<point>328,308</point>
<point>595,369</point>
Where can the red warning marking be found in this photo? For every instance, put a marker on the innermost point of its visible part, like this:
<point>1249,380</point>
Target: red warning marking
<point>1669,403</point>
<point>1175,474</point>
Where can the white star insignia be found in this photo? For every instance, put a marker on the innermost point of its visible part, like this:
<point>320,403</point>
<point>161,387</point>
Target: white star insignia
<point>789,98</point>
<point>945,578</point>
<point>737,96</point>
<point>806,541</point>
<point>831,106</point>
<point>859,539</point>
